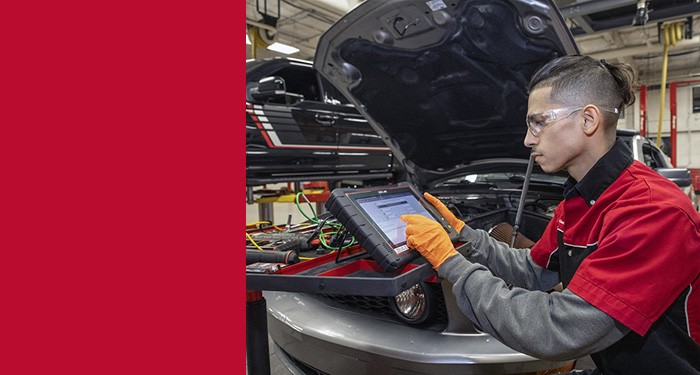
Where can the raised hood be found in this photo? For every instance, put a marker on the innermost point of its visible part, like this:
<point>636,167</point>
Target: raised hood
<point>443,82</point>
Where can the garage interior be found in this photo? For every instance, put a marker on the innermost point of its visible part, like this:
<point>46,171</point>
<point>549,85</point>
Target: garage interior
<point>610,30</point>
<point>660,39</point>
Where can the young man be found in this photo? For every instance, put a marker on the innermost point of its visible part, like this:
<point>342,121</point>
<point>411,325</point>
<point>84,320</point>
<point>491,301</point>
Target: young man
<point>624,243</point>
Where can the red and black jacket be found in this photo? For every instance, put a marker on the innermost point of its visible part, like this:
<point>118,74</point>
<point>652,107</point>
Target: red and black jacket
<point>627,240</point>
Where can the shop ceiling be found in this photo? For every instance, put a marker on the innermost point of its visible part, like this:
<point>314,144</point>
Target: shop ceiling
<point>602,28</point>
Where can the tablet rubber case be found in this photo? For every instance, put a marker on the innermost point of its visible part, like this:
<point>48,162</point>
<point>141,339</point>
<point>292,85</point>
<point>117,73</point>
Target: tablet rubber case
<point>368,237</point>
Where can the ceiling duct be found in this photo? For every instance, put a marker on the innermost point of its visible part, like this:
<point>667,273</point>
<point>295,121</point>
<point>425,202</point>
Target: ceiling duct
<point>654,48</point>
<point>337,8</point>
<point>601,15</point>
<point>588,7</point>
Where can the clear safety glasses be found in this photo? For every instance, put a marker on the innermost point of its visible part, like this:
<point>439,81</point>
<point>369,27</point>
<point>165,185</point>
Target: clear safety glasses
<point>536,122</point>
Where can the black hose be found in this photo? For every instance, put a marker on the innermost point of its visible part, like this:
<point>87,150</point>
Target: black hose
<point>286,257</point>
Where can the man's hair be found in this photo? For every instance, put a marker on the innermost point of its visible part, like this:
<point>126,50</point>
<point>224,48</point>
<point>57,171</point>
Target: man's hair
<point>582,80</point>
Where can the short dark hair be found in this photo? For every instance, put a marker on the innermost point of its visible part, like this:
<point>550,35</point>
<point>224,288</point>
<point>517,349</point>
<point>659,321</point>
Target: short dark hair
<point>582,80</point>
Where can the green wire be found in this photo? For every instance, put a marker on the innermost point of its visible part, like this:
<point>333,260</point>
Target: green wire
<point>314,219</point>
<point>327,246</point>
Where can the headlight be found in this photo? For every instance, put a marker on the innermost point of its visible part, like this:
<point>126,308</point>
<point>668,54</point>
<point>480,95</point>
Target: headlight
<point>415,304</point>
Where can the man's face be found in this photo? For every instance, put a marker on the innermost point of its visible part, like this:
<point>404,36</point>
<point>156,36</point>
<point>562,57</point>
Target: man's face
<point>554,131</point>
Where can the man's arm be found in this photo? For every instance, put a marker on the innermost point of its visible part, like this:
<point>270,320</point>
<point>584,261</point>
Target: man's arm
<point>554,326</point>
<point>514,266</point>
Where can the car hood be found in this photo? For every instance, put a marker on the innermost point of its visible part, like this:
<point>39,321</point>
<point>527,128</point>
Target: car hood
<point>443,83</point>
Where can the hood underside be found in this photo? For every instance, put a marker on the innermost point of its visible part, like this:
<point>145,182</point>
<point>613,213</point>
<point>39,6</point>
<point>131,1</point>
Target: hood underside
<point>443,83</point>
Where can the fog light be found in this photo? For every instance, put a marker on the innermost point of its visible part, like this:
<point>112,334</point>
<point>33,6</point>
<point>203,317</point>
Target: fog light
<point>413,305</point>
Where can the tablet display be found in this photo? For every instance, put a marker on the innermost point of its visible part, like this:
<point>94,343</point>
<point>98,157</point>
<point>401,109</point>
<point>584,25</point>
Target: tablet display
<point>373,215</point>
<point>385,211</point>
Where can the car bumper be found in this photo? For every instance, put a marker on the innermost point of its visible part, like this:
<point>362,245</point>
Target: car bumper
<point>336,341</point>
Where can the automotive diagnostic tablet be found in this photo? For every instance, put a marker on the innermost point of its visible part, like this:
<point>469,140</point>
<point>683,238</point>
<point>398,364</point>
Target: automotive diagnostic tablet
<point>373,214</point>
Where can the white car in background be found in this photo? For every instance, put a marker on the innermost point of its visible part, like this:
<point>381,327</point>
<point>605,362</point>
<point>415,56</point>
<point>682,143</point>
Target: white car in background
<point>648,153</point>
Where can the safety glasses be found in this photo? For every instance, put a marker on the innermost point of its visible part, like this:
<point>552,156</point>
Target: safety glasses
<point>536,122</point>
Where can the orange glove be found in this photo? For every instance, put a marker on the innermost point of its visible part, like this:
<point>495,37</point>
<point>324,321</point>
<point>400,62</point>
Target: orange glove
<point>445,212</point>
<point>429,238</point>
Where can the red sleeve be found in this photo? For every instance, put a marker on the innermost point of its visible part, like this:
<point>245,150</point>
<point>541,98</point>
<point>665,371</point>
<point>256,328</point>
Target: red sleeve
<point>646,255</point>
<point>543,252</point>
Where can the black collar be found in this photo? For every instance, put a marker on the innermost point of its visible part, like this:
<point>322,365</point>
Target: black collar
<point>602,175</point>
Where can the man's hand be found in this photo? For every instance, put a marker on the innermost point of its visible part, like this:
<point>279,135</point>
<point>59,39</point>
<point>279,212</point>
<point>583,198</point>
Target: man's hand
<point>445,212</point>
<point>429,238</point>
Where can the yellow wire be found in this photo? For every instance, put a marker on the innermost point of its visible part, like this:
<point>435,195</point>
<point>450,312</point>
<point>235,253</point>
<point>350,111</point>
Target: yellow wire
<point>253,242</point>
<point>257,224</point>
<point>259,248</point>
<point>662,96</point>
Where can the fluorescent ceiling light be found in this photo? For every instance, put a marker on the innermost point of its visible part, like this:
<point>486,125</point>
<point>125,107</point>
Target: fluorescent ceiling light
<point>282,48</point>
<point>247,39</point>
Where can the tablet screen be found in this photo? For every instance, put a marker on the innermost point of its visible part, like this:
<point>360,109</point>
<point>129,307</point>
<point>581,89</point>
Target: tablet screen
<point>373,216</point>
<point>385,211</point>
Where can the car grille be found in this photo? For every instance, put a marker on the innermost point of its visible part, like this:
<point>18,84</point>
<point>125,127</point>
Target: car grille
<point>381,306</point>
<point>372,303</point>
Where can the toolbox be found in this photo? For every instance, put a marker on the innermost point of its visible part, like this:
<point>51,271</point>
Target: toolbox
<point>347,272</point>
<point>379,264</point>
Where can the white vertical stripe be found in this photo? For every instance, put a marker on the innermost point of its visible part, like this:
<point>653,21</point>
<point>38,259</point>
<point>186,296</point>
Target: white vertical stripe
<point>268,127</point>
<point>549,260</point>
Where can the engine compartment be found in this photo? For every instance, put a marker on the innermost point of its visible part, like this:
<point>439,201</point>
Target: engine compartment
<point>488,211</point>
